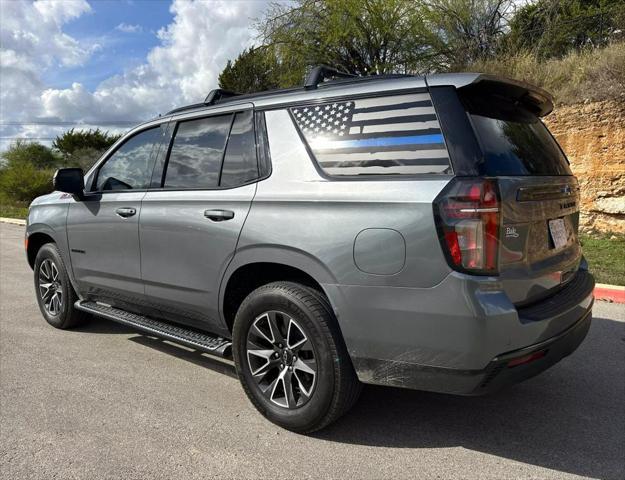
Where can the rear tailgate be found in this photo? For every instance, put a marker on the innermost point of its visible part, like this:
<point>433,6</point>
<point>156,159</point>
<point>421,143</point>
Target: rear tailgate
<point>493,130</point>
<point>539,249</point>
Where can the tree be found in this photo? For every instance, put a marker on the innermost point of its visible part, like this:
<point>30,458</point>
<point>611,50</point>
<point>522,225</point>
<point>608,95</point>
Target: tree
<point>357,36</point>
<point>366,37</point>
<point>551,28</point>
<point>462,32</point>
<point>254,70</point>
<point>73,140</point>
<point>83,147</point>
<point>21,152</point>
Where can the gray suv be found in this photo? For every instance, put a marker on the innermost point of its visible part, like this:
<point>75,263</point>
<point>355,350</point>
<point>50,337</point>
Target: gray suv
<point>417,232</point>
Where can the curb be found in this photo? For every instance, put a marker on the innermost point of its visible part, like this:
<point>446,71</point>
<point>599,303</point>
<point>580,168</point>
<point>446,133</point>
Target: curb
<point>14,221</point>
<point>611,293</point>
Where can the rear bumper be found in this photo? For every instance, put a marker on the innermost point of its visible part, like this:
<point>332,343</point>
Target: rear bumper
<point>460,336</point>
<point>498,374</point>
<point>502,370</point>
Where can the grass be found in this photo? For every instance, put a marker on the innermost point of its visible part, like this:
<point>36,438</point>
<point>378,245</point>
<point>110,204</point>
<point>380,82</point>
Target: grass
<point>606,258</point>
<point>13,209</point>
<point>589,74</point>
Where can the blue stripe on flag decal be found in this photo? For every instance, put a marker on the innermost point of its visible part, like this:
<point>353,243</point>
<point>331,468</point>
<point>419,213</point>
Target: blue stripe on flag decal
<point>380,142</point>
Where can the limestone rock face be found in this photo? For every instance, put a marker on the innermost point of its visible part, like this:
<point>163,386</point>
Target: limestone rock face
<point>593,137</point>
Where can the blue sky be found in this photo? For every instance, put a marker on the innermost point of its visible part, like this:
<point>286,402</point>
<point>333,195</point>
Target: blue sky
<point>109,64</point>
<point>126,30</point>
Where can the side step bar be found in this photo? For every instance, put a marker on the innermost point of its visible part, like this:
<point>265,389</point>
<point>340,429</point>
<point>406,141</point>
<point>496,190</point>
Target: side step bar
<point>191,338</point>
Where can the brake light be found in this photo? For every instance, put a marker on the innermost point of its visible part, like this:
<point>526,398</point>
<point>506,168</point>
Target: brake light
<point>467,216</point>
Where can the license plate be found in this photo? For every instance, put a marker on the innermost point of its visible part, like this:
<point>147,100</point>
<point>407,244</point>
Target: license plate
<point>557,228</point>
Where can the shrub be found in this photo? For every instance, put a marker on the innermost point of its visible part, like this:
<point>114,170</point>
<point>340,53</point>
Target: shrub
<point>22,182</point>
<point>30,152</point>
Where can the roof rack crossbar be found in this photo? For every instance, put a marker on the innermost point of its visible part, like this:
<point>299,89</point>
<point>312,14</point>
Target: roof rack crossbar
<point>217,95</point>
<point>320,73</point>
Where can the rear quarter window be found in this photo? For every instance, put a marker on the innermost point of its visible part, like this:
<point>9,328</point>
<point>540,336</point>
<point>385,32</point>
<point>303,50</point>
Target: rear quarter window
<point>386,135</point>
<point>240,165</point>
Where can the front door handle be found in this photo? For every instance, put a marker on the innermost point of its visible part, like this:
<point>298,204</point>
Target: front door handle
<point>126,212</point>
<point>219,215</point>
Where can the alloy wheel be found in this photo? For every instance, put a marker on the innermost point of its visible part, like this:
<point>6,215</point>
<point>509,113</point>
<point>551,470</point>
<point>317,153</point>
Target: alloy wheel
<point>282,359</point>
<point>50,287</point>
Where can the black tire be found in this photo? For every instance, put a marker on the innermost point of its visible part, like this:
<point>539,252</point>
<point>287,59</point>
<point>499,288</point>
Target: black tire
<point>63,315</point>
<point>336,387</point>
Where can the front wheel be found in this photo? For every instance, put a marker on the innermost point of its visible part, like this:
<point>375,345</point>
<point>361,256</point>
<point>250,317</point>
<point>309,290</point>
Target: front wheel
<point>291,359</point>
<point>55,294</point>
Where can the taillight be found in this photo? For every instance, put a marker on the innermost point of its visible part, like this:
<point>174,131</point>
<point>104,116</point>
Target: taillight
<point>467,218</point>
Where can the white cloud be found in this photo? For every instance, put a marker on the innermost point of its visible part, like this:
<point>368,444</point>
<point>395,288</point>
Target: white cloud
<point>182,69</point>
<point>33,32</point>
<point>32,41</point>
<point>60,12</point>
<point>128,28</point>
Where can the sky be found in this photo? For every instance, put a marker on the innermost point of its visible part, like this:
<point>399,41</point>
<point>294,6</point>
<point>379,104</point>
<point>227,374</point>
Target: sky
<point>111,63</point>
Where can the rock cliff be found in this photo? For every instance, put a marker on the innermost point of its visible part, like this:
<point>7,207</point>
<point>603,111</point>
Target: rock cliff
<point>593,137</point>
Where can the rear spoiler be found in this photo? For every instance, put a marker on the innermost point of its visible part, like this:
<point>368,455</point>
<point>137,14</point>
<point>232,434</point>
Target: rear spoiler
<point>537,100</point>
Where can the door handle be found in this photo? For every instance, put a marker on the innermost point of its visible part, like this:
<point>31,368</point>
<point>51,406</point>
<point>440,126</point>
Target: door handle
<point>126,212</point>
<point>219,215</point>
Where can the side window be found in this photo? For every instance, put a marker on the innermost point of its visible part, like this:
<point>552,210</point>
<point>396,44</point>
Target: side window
<point>262,145</point>
<point>196,153</point>
<point>240,165</point>
<point>160,155</point>
<point>130,166</point>
<point>395,134</point>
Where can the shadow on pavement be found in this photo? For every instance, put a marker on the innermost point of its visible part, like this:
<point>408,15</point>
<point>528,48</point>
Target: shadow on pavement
<point>193,356</point>
<point>102,325</point>
<point>570,418</point>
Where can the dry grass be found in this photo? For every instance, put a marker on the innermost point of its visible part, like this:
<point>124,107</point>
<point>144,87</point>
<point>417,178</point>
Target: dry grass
<point>593,74</point>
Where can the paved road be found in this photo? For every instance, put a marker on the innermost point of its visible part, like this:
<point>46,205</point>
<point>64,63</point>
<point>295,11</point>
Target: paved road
<point>106,402</point>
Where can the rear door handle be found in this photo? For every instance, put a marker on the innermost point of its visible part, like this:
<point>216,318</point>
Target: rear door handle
<point>219,215</point>
<point>126,212</point>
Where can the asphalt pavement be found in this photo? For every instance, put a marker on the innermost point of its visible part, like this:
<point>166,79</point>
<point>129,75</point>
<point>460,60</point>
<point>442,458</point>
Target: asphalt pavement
<point>104,401</point>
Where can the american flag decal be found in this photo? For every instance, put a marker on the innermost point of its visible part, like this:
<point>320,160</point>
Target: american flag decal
<point>397,134</point>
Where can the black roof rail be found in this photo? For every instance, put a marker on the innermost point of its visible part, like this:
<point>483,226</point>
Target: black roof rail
<point>185,108</point>
<point>213,97</point>
<point>217,95</point>
<point>320,73</point>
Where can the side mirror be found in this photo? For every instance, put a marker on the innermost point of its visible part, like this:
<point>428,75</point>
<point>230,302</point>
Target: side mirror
<point>69,180</point>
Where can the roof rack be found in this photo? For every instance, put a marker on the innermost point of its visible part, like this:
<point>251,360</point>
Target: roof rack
<point>317,76</point>
<point>214,96</point>
<point>217,95</point>
<point>320,73</point>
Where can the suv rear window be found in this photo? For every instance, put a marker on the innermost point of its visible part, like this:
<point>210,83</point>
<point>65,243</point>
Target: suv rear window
<point>513,140</point>
<point>397,134</point>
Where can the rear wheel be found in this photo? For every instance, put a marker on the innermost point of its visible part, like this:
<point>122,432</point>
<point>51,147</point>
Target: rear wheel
<point>55,294</point>
<point>291,359</point>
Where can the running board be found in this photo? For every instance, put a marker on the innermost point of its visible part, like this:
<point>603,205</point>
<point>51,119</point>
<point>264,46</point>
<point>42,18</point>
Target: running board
<point>191,338</point>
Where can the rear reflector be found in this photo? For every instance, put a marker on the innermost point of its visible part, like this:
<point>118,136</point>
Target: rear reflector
<point>526,358</point>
